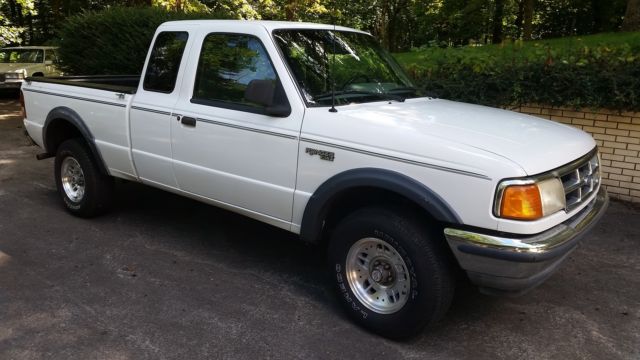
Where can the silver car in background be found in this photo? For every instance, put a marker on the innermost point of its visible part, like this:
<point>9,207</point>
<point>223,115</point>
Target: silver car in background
<point>17,63</point>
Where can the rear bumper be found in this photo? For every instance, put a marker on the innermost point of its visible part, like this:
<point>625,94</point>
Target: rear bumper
<point>513,265</point>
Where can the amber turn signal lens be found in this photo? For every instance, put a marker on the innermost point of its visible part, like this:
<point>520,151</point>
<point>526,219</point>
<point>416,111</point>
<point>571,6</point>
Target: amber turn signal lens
<point>521,202</point>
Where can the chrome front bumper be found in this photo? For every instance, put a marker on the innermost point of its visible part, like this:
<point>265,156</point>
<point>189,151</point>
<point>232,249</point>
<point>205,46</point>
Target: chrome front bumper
<point>502,264</point>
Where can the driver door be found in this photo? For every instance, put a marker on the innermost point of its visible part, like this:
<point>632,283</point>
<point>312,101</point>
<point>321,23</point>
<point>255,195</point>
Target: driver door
<point>226,148</point>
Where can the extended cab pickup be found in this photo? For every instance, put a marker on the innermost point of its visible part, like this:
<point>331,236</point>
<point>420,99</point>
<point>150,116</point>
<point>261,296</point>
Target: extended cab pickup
<point>315,129</point>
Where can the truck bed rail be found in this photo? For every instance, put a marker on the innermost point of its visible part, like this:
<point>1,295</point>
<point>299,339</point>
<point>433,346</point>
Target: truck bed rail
<point>127,84</point>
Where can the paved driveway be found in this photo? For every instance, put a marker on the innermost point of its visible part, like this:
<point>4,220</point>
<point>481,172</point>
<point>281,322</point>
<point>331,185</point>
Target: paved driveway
<point>166,277</point>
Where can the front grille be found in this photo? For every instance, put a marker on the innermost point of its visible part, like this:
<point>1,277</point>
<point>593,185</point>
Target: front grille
<point>581,181</point>
<point>3,77</point>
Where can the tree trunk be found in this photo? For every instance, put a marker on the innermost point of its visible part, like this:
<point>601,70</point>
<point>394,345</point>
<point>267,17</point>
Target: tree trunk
<point>498,16</point>
<point>599,15</point>
<point>290,10</point>
<point>56,13</point>
<point>44,20</point>
<point>383,24</point>
<point>527,26</point>
<point>518,21</point>
<point>31,30</point>
<point>395,26</point>
<point>631,20</point>
<point>19,20</point>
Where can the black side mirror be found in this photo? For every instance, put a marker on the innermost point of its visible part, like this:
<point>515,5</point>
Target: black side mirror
<point>260,92</point>
<point>268,93</point>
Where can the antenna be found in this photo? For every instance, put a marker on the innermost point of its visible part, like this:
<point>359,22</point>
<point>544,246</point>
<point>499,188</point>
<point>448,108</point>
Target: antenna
<point>333,64</point>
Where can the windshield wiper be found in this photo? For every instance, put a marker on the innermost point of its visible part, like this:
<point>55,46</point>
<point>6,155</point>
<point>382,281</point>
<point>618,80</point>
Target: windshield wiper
<point>384,96</point>
<point>421,92</point>
<point>404,89</point>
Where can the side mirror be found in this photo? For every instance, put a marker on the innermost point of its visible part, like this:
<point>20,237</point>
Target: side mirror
<point>265,93</point>
<point>48,62</point>
<point>260,92</point>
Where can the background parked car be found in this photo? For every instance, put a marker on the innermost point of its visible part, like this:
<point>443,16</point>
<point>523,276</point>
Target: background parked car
<point>17,63</point>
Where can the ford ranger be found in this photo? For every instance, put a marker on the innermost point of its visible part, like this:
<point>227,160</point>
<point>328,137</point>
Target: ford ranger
<point>317,130</point>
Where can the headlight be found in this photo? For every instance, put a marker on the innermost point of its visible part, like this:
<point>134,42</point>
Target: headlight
<point>529,199</point>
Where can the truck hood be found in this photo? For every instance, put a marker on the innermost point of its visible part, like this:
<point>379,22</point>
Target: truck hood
<point>535,144</point>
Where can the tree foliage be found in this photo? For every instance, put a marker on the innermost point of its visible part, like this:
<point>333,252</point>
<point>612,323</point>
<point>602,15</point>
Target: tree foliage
<point>10,32</point>
<point>119,39</point>
<point>632,16</point>
<point>399,24</point>
<point>444,34</point>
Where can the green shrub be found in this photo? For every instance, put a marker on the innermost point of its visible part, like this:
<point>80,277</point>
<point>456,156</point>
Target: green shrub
<point>114,41</point>
<point>601,71</point>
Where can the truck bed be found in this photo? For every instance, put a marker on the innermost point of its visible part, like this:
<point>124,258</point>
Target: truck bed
<point>97,105</point>
<point>127,84</point>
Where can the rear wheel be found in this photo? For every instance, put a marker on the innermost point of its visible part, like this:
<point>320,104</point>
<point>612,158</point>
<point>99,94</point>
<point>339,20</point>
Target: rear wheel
<point>392,273</point>
<point>83,189</point>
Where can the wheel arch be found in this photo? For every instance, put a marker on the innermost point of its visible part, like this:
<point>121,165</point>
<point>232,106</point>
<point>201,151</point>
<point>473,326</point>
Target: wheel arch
<point>62,124</point>
<point>358,187</point>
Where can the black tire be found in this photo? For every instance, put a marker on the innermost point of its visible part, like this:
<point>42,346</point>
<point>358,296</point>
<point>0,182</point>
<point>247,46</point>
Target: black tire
<point>98,188</point>
<point>427,263</point>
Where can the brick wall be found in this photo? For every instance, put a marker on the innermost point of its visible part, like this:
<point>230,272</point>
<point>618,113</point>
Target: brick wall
<point>618,137</point>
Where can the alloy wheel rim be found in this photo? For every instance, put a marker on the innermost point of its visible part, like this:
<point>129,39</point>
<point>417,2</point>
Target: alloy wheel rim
<point>73,181</point>
<point>378,275</point>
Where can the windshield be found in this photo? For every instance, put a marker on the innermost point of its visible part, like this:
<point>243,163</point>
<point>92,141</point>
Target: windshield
<point>361,70</point>
<point>22,56</point>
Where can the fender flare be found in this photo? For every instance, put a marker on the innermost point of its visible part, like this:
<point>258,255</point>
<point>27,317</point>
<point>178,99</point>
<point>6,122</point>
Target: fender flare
<point>66,114</point>
<point>322,199</point>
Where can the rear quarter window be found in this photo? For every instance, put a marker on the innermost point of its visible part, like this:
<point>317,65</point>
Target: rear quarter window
<point>164,62</point>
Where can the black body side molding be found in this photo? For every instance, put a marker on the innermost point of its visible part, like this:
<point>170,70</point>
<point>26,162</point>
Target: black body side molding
<point>331,190</point>
<point>66,114</point>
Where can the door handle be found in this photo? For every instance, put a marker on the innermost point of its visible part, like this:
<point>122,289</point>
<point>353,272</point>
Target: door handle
<point>188,121</point>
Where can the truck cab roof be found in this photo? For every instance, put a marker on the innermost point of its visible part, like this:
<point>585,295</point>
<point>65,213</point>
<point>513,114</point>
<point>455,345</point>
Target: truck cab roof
<point>266,24</point>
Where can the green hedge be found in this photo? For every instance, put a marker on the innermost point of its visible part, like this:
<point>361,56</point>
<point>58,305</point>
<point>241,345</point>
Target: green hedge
<point>601,71</point>
<point>113,41</point>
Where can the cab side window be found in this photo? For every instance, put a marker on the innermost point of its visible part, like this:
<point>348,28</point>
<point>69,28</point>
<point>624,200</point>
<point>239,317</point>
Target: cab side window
<point>39,56</point>
<point>164,62</point>
<point>228,64</point>
<point>50,55</point>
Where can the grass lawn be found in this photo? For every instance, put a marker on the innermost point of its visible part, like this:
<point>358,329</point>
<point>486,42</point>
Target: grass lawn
<point>568,49</point>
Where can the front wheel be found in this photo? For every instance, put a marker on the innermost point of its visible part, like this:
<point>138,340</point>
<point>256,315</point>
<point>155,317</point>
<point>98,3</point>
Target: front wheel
<point>392,273</point>
<point>84,190</point>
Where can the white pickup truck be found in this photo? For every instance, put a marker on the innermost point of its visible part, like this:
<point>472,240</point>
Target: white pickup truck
<point>315,129</point>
